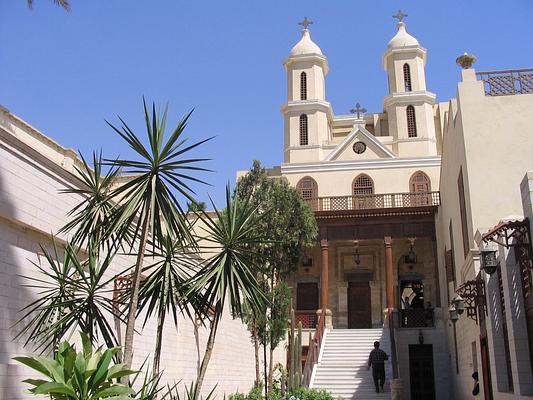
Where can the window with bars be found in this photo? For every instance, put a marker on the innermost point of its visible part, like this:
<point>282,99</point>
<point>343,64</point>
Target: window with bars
<point>303,86</point>
<point>308,188</point>
<point>411,121</point>
<point>363,184</point>
<point>420,183</point>
<point>304,137</point>
<point>407,77</point>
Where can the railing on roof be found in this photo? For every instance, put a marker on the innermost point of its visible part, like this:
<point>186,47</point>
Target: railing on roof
<point>375,201</point>
<point>508,82</point>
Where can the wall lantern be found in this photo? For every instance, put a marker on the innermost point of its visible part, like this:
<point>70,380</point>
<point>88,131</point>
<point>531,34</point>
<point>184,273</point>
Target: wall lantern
<point>489,259</point>
<point>410,258</point>
<point>454,315</point>
<point>356,256</point>
<point>307,261</point>
<point>459,304</point>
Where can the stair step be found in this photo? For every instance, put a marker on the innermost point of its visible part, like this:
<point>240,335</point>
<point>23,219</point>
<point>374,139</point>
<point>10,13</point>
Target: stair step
<point>343,364</point>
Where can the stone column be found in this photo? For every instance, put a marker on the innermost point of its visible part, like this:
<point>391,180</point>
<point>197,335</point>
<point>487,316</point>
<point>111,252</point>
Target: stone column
<point>324,275</point>
<point>389,276</point>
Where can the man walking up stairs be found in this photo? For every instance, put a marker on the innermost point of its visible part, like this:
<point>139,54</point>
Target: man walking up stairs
<point>343,362</point>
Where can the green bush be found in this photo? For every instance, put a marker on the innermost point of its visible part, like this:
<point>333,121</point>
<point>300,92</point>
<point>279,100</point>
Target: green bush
<point>86,375</point>
<point>303,393</point>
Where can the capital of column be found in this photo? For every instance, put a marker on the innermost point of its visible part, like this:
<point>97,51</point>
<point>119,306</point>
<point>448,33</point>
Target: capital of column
<point>324,243</point>
<point>388,241</point>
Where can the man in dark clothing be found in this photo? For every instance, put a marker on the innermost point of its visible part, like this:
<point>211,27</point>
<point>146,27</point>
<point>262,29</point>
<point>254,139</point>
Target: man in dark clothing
<point>377,360</point>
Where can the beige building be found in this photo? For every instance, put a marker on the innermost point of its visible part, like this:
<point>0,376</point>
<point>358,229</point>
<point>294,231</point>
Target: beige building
<point>397,195</point>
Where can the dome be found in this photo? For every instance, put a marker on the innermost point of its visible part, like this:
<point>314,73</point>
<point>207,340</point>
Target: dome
<point>305,46</point>
<point>402,38</point>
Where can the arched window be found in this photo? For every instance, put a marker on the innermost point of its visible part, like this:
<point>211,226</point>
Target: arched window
<point>407,77</point>
<point>363,184</point>
<point>303,86</point>
<point>411,121</point>
<point>419,183</point>
<point>308,188</point>
<point>304,138</point>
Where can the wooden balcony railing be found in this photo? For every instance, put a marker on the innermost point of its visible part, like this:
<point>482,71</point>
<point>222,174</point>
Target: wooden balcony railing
<point>314,350</point>
<point>375,201</point>
<point>509,82</point>
<point>417,318</point>
<point>307,318</point>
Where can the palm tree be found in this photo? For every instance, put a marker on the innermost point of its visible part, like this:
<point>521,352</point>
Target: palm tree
<point>148,202</point>
<point>163,289</point>
<point>73,295</point>
<point>228,276</point>
<point>65,4</point>
<point>90,219</point>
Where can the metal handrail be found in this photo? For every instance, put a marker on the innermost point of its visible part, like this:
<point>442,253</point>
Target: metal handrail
<point>314,349</point>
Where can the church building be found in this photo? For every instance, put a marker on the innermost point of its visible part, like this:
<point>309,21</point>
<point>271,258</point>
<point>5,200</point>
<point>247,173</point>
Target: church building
<point>382,267</point>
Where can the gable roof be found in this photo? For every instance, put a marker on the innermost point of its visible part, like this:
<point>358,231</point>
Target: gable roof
<point>359,130</point>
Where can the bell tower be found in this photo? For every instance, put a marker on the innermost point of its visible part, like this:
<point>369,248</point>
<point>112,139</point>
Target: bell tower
<point>409,105</point>
<point>307,115</point>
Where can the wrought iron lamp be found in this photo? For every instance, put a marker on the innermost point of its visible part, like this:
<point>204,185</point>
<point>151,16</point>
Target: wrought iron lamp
<point>410,258</point>
<point>356,255</point>
<point>454,315</point>
<point>489,259</point>
<point>307,261</point>
<point>459,304</point>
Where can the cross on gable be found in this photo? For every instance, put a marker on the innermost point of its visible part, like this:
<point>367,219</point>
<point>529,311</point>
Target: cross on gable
<point>400,16</point>
<point>358,110</point>
<point>305,23</point>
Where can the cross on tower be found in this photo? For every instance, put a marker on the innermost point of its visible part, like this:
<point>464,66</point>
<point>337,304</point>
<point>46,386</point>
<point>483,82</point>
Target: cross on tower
<point>305,23</point>
<point>400,16</point>
<point>358,110</point>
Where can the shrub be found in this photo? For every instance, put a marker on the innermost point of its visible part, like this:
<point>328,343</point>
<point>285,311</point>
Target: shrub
<point>86,375</point>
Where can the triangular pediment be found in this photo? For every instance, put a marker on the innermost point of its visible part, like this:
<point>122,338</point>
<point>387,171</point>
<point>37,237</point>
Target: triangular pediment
<point>373,148</point>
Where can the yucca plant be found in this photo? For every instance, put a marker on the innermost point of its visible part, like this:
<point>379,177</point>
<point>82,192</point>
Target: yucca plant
<point>89,220</point>
<point>148,201</point>
<point>163,290</point>
<point>228,275</point>
<point>85,375</point>
<point>72,294</point>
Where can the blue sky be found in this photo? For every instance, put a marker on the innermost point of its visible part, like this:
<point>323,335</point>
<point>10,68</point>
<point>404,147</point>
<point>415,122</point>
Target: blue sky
<point>65,73</point>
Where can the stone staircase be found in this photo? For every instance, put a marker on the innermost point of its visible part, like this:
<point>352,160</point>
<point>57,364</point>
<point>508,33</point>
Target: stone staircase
<point>341,368</point>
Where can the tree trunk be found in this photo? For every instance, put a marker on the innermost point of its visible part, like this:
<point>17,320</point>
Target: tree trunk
<point>158,341</point>
<point>271,368</point>
<point>134,298</point>
<point>265,368</point>
<point>256,348</point>
<point>208,350</point>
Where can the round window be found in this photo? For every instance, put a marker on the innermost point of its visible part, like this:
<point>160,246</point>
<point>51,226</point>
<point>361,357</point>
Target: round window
<point>359,147</point>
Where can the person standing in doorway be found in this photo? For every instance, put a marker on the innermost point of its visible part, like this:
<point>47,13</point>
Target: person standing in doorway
<point>376,360</point>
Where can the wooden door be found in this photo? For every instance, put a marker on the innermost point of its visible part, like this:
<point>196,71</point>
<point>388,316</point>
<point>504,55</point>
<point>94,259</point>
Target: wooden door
<point>421,374</point>
<point>359,310</point>
<point>307,296</point>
